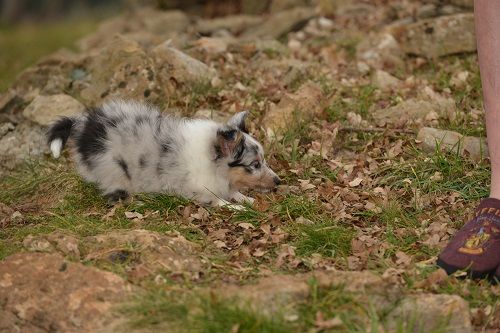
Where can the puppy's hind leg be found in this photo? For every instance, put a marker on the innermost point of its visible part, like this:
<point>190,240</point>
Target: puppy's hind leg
<point>114,196</point>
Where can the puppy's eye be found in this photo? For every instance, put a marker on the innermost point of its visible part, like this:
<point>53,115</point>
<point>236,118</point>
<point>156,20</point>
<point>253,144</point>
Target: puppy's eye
<point>256,165</point>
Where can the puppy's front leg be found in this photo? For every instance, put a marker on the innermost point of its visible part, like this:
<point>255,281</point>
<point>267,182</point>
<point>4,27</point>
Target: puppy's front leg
<point>227,204</point>
<point>239,197</point>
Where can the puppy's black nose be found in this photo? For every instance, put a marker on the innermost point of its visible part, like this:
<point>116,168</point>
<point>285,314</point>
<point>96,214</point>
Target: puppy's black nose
<point>277,180</point>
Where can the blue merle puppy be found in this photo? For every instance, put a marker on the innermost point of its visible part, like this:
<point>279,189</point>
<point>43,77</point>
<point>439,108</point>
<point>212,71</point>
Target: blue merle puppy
<point>129,147</point>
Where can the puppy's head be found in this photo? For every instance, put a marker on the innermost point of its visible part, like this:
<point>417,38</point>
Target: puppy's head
<point>244,156</point>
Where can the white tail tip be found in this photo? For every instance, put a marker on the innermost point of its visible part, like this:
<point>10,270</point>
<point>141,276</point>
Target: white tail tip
<point>55,147</point>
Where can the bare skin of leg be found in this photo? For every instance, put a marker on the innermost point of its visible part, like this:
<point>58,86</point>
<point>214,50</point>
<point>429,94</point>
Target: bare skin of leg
<point>487,21</point>
<point>475,248</point>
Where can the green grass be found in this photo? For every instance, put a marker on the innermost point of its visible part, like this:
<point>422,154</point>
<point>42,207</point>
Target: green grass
<point>326,238</point>
<point>63,201</point>
<point>293,206</point>
<point>33,178</point>
<point>356,99</point>
<point>458,174</point>
<point>24,45</point>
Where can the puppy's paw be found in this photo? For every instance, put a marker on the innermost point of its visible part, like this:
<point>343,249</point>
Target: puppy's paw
<point>228,205</point>
<point>239,197</point>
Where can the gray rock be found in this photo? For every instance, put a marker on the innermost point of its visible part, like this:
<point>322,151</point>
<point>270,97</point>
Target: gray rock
<point>275,292</point>
<point>44,110</point>
<point>250,47</point>
<point>427,10</point>
<point>430,313</point>
<point>56,241</point>
<point>384,80</point>
<point>413,111</point>
<point>145,253</point>
<point>307,102</point>
<point>279,24</point>
<point>439,36</point>
<point>120,70</point>
<point>380,51</point>
<point>432,139</point>
<point>174,64</point>
<point>161,22</point>
<point>461,3</point>
<point>280,5</point>
<point>22,143</point>
<point>6,128</point>
<point>146,26</point>
<point>254,7</point>
<point>42,292</point>
<point>235,24</point>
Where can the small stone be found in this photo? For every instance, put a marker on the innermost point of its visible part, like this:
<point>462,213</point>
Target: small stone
<point>44,110</point>
<point>459,79</point>
<point>432,139</point>
<point>380,51</point>
<point>212,45</point>
<point>5,128</point>
<point>384,80</point>
<point>294,44</point>
<point>363,67</point>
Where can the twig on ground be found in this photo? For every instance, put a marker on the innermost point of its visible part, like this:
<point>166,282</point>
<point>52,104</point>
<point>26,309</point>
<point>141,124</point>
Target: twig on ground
<point>377,130</point>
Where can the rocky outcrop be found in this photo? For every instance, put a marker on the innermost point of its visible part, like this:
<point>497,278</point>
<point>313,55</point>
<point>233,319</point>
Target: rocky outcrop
<point>43,110</point>
<point>433,138</point>
<point>142,253</point>
<point>44,292</point>
<point>439,36</point>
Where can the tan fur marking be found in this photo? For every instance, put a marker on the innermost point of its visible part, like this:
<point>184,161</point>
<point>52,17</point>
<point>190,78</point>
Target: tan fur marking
<point>240,179</point>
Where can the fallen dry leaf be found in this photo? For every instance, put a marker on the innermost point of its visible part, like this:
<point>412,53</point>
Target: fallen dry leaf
<point>133,215</point>
<point>355,182</point>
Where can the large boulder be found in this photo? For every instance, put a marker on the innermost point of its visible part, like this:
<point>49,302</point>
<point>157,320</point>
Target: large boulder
<point>142,253</point>
<point>433,138</point>
<point>431,313</point>
<point>235,24</point>
<point>439,36</point>
<point>121,70</point>
<point>281,23</point>
<point>173,64</point>
<point>415,111</point>
<point>306,103</point>
<point>42,292</point>
<point>43,110</point>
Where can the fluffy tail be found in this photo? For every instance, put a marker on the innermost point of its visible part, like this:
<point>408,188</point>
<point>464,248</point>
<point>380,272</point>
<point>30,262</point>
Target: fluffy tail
<point>58,134</point>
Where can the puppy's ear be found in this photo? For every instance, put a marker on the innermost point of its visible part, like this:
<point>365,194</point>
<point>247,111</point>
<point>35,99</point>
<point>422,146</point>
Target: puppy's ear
<point>238,121</point>
<point>227,141</point>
